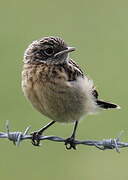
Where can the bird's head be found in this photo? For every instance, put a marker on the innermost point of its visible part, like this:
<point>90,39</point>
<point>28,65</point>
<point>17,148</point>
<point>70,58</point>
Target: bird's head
<point>48,50</point>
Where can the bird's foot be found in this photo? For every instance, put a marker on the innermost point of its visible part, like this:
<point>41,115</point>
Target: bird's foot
<point>70,143</point>
<point>36,138</point>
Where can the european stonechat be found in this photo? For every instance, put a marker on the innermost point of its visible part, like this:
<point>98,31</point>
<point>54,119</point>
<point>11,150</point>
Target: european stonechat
<point>57,87</point>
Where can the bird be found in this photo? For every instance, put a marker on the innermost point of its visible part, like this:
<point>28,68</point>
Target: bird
<point>57,87</point>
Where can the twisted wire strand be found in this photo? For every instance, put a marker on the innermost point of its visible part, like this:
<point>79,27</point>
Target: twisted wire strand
<point>17,137</point>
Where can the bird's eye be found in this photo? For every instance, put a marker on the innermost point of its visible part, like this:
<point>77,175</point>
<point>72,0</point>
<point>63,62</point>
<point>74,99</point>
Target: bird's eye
<point>49,51</point>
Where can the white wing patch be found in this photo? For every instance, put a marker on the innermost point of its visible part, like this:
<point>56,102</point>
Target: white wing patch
<point>84,86</point>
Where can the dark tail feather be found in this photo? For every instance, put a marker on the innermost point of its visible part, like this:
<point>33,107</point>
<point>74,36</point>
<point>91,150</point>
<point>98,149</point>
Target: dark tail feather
<point>107,105</point>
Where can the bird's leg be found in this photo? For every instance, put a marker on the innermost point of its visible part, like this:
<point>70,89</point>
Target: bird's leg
<point>37,134</point>
<point>69,142</point>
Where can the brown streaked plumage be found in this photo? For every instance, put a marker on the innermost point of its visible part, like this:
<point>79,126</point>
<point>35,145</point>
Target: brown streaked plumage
<point>56,86</point>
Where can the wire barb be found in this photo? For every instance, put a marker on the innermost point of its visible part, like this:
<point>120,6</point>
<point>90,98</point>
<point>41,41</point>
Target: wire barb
<point>105,144</point>
<point>16,137</point>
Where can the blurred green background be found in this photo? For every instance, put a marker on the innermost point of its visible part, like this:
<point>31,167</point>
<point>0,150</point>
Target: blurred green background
<point>99,31</point>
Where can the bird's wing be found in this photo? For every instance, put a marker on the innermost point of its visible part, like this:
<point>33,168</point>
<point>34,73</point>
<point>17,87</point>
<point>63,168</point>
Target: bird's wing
<point>76,67</point>
<point>79,73</point>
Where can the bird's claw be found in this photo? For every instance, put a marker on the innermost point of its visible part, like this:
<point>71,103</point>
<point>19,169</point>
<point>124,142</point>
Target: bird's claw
<point>70,143</point>
<point>36,138</point>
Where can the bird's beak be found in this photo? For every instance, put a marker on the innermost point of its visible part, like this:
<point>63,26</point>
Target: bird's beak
<point>69,49</point>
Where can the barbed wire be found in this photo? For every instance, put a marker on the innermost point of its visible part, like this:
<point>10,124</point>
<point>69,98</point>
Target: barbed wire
<point>17,137</point>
